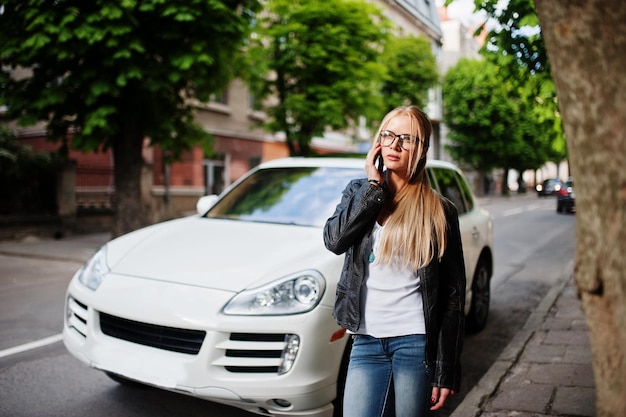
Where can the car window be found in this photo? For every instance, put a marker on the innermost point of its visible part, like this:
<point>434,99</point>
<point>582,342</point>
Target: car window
<point>452,186</point>
<point>466,191</point>
<point>304,196</point>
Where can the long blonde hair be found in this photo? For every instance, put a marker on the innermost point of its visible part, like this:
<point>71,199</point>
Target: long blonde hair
<point>416,227</point>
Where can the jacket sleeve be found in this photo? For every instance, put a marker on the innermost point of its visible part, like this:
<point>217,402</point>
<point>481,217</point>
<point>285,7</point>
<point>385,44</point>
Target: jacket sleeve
<point>452,306</point>
<point>359,206</point>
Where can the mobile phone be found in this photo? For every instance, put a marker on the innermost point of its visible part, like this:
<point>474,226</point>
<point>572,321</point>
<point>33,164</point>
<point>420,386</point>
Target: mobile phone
<point>379,163</point>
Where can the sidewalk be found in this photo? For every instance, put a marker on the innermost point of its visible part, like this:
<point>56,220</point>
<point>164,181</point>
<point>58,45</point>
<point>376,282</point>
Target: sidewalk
<point>546,369</point>
<point>77,248</point>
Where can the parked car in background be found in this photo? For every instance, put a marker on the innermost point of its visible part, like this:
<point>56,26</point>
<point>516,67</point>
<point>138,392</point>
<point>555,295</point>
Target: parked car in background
<point>566,198</point>
<point>234,304</point>
<point>549,187</point>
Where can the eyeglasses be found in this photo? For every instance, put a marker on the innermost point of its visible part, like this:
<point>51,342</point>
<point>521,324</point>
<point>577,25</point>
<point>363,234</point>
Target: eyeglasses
<point>387,138</point>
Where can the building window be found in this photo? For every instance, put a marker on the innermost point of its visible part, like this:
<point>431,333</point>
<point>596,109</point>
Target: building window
<point>215,175</point>
<point>254,103</point>
<point>221,98</point>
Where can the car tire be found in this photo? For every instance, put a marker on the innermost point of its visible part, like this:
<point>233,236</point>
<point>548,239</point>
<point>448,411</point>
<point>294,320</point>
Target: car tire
<point>341,380</point>
<point>481,296</point>
<point>125,381</point>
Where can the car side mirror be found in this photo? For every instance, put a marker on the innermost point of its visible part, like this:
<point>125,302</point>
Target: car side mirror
<point>205,203</point>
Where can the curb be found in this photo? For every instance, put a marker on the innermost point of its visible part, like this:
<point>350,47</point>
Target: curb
<point>473,403</point>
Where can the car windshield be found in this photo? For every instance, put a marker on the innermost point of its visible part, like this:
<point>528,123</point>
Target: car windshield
<point>304,196</point>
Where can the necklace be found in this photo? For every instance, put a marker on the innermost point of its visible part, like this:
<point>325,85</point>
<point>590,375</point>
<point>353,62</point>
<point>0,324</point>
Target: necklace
<point>376,241</point>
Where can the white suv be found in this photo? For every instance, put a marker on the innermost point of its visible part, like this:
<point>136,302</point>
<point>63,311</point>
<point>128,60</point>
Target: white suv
<point>234,305</point>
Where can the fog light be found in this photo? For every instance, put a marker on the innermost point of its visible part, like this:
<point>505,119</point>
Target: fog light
<point>281,403</point>
<point>292,345</point>
<point>68,311</point>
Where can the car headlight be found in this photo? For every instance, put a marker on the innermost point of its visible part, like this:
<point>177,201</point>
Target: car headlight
<point>294,294</point>
<point>94,271</point>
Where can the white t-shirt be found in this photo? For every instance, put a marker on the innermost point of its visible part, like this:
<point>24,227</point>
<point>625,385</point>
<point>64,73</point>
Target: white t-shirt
<point>391,300</point>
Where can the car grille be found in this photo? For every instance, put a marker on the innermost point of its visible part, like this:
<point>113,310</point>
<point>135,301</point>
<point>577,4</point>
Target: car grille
<point>167,338</point>
<point>252,352</point>
<point>77,316</point>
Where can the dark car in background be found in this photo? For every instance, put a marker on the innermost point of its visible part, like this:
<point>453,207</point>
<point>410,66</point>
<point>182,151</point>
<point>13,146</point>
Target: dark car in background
<point>566,198</point>
<point>549,187</point>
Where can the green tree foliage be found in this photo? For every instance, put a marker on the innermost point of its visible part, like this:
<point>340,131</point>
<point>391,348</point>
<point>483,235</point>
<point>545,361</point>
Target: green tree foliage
<point>516,51</point>
<point>8,147</point>
<point>111,73</point>
<point>480,115</point>
<point>517,34</point>
<point>27,178</point>
<point>539,122</point>
<point>323,63</point>
<point>515,43</point>
<point>498,119</point>
<point>411,71</point>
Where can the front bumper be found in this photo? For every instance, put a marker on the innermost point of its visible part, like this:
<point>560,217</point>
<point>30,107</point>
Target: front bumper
<point>235,362</point>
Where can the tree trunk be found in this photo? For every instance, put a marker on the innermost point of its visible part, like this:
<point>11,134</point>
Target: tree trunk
<point>290,145</point>
<point>586,41</point>
<point>505,181</point>
<point>128,161</point>
<point>521,184</point>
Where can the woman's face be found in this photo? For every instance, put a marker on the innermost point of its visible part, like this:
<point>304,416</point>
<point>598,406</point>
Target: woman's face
<point>395,157</point>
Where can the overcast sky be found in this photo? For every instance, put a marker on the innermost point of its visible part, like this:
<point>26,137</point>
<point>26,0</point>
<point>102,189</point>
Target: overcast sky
<point>461,10</point>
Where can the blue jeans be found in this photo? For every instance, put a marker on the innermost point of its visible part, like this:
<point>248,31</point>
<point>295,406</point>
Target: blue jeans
<point>387,374</point>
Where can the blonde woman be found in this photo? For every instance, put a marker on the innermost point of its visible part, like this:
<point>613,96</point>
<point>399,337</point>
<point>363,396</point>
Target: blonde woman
<point>402,287</point>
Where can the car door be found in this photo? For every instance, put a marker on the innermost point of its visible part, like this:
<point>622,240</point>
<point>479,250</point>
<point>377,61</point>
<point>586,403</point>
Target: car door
<point>451,184</point>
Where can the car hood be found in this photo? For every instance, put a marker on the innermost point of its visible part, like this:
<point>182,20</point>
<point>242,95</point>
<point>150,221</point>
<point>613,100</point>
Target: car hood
<point>227,255</point>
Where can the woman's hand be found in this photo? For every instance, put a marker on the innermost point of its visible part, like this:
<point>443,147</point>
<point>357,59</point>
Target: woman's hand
<point>439,396</point>
<point>371,170</point>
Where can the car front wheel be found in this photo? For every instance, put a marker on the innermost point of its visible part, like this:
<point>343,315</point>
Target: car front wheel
<point>341,380</point>
<point>481,295</point>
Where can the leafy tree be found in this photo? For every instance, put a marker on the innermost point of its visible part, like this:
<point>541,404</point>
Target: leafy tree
<point>411,71</point>
<point>481,117</point>
<point>538,121</point>
<point>516,44</point>
<point>27,178</point>
<point>517,34</point>
<point>499,118</point>
<point>323,66</point>
<point>8,147</point>
<point>112,73</point>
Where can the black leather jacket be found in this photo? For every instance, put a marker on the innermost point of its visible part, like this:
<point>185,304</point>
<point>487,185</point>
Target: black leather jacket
<point>349,230</point>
